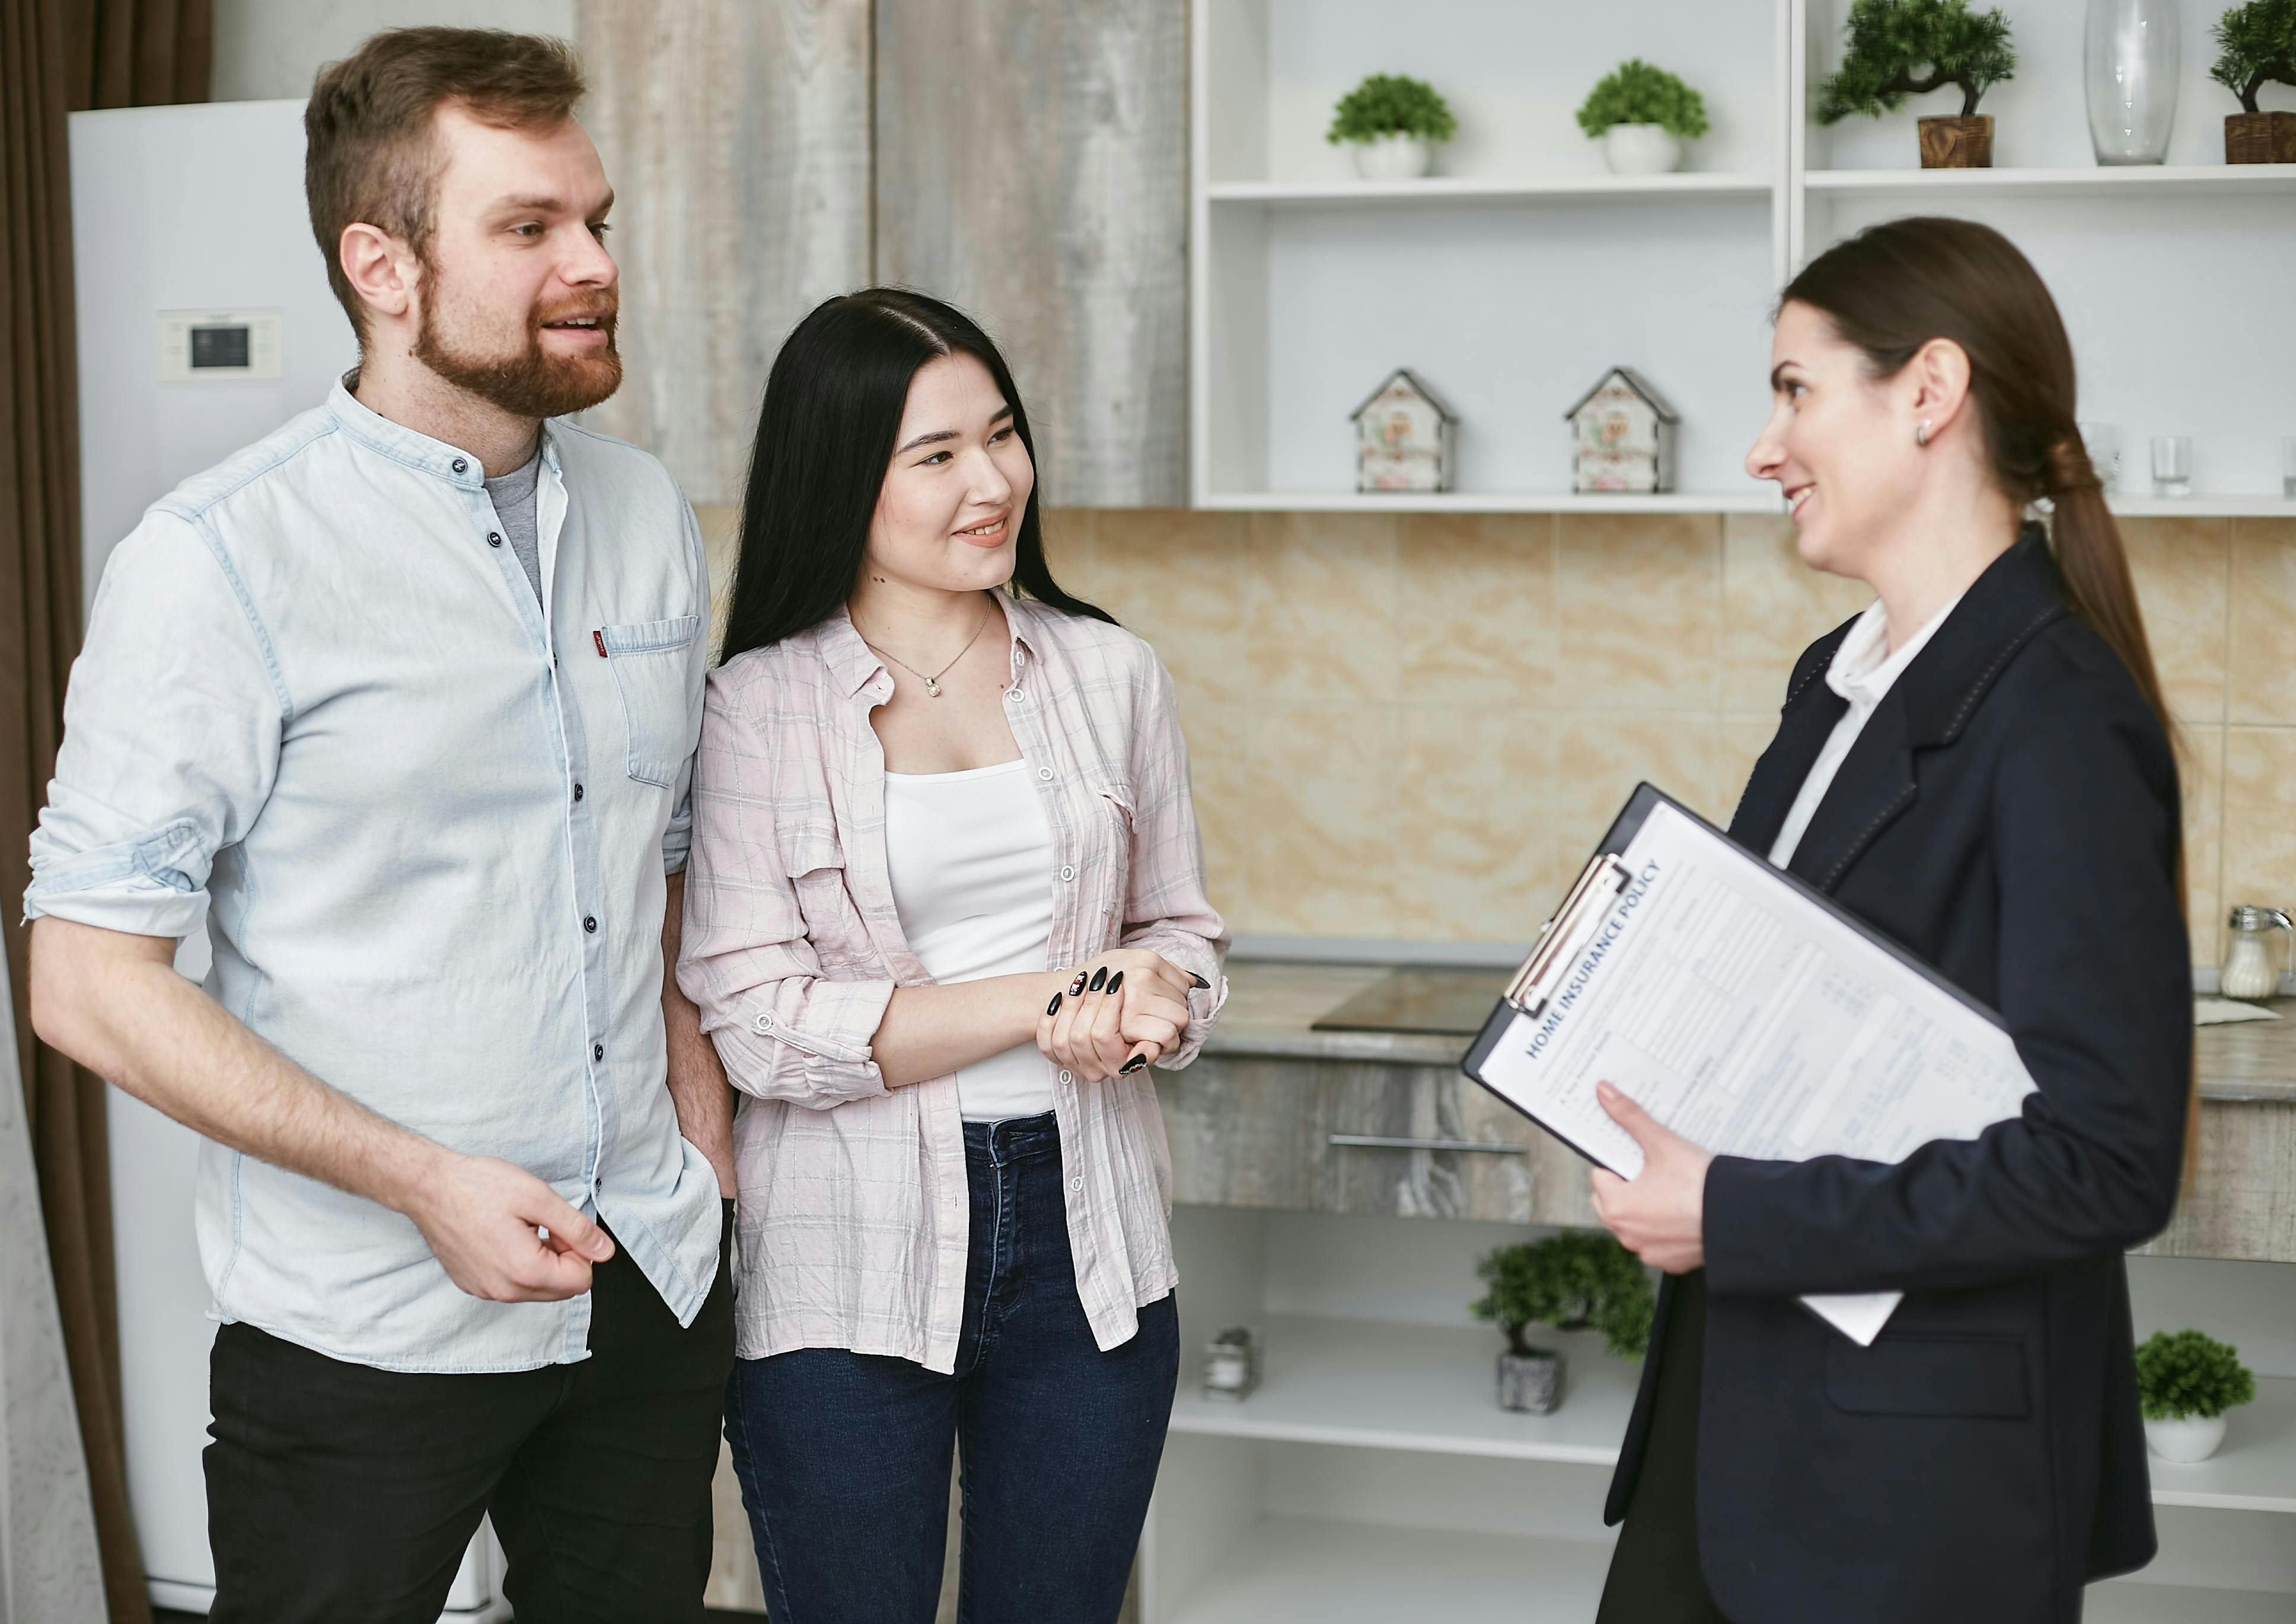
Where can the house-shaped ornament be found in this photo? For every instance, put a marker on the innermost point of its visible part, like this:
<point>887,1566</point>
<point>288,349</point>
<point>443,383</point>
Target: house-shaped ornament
<point>1405,438</point>
<point>1622,436</point>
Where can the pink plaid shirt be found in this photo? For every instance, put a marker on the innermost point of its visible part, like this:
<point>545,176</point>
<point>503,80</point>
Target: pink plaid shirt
<point>854,1211</point>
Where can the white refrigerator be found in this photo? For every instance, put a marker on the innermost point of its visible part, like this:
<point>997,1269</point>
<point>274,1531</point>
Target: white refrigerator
<point>205,322</point>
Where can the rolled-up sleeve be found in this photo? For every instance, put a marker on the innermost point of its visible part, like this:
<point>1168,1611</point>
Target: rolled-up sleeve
<point>1166,909</point>
<point>172,724</point>
<point>784,1031</point>
<point>677,834</point>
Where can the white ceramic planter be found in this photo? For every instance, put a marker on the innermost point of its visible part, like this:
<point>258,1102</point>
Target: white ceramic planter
<point>2191,1438</point>
<point>1393,158</point>
<point>1640,149</point>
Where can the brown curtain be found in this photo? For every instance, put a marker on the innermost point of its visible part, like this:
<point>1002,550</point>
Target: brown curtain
<point>58,56</point>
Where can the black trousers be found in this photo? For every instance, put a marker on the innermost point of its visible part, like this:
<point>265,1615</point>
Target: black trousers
<point>1655,1576</point>
<point>340,1494</point>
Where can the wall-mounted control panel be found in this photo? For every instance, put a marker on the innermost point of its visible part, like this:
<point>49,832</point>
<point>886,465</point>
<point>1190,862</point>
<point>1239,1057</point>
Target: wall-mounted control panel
<point>199,345</point>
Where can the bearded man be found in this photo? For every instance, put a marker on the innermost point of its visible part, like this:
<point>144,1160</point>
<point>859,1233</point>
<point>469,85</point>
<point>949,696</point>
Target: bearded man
<point>400,706</point>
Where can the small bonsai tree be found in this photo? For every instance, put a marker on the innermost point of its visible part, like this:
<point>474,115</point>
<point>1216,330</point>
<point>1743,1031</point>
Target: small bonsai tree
<point>1891,40</point>
<point>2256,44</point>
<point>1574,1281</point>
<point>1392,104</point>
<point>2183,1373</point>
<point>1640,93</point>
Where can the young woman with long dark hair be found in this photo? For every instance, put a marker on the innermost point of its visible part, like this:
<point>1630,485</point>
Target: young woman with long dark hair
<point>946,903</point>
<point>1981,767</point>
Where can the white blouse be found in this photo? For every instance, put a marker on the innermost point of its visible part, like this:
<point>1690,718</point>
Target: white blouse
<point>970,855</point>
<point>1864,668</point>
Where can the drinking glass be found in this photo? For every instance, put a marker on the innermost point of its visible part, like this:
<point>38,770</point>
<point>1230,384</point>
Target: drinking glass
<point>2101,441</point>
<point>2172,465</point>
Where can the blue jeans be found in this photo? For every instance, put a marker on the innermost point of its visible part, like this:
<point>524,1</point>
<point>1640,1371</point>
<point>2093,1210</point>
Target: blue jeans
<point>844,1457</point>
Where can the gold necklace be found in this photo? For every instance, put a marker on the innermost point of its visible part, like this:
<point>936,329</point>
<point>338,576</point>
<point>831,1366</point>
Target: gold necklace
<point>932,682</point>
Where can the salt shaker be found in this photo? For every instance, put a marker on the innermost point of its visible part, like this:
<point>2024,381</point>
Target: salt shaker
<point>2249,972</point>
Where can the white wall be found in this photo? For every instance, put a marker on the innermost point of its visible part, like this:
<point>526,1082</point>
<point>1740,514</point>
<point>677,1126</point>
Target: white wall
<point>270,48</point>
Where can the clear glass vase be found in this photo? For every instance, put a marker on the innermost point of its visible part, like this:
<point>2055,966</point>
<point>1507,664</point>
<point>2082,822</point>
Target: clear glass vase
<point>2132,60</point>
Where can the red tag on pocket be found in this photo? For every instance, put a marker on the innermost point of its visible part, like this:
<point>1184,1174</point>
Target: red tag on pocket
<point>599,638</point>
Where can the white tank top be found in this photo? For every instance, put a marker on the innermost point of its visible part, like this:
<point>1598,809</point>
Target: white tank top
<point>970,855</point>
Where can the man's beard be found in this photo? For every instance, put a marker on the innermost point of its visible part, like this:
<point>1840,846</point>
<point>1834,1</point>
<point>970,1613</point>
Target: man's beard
<point>532,384</point>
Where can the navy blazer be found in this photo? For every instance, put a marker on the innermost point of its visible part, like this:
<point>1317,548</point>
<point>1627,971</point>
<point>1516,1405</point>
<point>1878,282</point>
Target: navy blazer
<point>2010,815</point>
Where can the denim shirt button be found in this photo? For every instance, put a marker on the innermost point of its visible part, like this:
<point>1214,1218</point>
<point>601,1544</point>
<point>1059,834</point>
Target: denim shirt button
<point>494,539</point>
<point>597,1051</point>
<point>577,792</point>
<point>590,923</point>
<point>461,466</point>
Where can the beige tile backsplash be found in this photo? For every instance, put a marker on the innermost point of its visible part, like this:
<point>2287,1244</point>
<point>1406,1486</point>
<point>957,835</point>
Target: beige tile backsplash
<point>1414,726</point>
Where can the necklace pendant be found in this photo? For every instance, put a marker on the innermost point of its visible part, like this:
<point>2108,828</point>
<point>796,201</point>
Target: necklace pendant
<point>932,688</point>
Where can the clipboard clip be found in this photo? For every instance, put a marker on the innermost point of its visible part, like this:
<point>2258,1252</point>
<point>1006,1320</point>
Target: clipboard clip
<point>1560,936</point>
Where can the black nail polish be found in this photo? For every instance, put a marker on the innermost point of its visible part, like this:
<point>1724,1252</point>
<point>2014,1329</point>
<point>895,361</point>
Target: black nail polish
<point>1132,1065</point>
<point>1099,979</point>
<point>1054,1008</point>
<point>1077,985</point>
<point>1116,980</point>
<point>1201,985</point>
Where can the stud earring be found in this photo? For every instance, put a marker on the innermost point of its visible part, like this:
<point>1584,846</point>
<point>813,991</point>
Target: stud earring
<point>1922,433</point>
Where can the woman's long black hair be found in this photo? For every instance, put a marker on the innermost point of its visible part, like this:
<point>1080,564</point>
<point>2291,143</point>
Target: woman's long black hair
<point>825,436</point>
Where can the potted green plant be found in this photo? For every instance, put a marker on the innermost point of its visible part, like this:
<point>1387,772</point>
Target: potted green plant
<point>2185,1380</point>
<point>1642,115</point>
<point>2256,44</point>
<point>1900,48</point>
<point>1392,124</point>
<point>1574,1281</point>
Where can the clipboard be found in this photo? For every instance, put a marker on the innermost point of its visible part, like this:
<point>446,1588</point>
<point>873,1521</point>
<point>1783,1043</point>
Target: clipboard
<point>1859,1037</point>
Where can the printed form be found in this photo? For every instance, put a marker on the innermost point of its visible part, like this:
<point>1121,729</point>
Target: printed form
<point>1752,1023</point>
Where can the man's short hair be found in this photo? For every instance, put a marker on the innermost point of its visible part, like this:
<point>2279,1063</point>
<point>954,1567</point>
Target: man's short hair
<point>372,153</point>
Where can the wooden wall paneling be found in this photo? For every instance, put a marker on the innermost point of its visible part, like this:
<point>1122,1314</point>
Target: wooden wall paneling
<point>1032,169</point>
<point>2243,1202</point>
<point>736,134</point>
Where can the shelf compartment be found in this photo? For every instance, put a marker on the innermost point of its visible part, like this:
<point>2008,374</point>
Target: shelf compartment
<point>1302,1570</point>
<point>1379,1385</point>
<point>2135,180</point>
<point>1471,189</point>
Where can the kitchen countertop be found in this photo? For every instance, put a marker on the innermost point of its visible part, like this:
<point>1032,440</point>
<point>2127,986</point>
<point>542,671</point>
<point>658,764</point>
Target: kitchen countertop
<point>1272,1003</point>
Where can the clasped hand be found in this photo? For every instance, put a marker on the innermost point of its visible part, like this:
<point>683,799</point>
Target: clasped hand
<point>1124,1009</point>
<point>1660,1214</point>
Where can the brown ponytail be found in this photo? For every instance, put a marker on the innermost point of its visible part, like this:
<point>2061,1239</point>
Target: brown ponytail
<point>1894,287</point>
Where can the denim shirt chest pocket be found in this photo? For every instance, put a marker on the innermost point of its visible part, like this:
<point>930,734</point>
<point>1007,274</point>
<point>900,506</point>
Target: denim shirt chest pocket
<point>650,660</point>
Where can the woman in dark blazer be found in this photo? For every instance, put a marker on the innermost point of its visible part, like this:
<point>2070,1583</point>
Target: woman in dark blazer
<point>1978,766</point>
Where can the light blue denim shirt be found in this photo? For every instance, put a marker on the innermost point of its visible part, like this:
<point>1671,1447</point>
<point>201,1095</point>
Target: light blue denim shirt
<point>320,712</point>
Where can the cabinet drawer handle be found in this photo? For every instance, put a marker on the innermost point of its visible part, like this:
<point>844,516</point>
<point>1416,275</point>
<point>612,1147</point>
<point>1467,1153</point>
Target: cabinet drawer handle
<point>1381,1142</point>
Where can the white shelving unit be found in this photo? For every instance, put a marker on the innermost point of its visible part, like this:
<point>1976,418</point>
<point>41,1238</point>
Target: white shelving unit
<point>1515,277</point>
<point>1371,1477</point>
